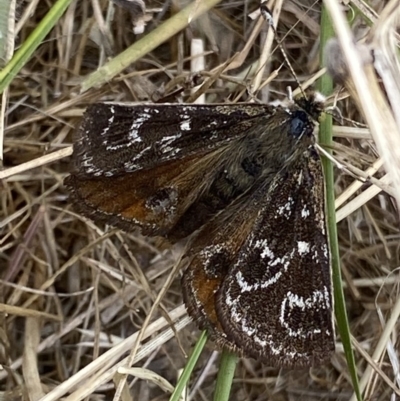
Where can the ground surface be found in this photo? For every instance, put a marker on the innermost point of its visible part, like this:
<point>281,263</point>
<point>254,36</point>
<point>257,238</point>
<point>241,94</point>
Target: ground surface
<point>73,290</point>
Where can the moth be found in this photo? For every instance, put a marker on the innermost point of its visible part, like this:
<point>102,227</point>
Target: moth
<point>245,183</point>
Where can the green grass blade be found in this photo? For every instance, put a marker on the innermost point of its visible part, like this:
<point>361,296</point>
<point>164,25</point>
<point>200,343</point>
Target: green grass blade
<point>190,364</point>
<point>326,87</point>
<point>24,53</point>
<point>7,21</point>
<point>225,376</point>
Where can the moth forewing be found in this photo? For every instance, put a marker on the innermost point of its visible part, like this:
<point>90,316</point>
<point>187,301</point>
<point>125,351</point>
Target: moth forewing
<point>276,301</point>
<point>118,138</point>
<point>145,165</point>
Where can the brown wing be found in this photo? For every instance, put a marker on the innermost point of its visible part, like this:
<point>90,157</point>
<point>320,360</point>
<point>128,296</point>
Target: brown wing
<point>259,279</point>
<point>212,253</point>
<point>145,165</point>
<point>115,138</point>
<point>276,301</point>
<point>152,199</point>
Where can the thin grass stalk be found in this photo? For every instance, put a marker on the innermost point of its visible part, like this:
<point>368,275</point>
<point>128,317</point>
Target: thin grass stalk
<point>325,87</point>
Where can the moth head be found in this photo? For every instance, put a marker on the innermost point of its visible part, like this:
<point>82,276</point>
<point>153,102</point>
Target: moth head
<point>312,102</point>
<point>298,123</point>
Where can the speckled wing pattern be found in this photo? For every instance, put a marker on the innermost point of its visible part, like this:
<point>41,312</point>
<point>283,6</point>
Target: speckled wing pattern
<point>144,165</point>
<point>116,138</point>
<point>269,292</point>
<point>246,183</point>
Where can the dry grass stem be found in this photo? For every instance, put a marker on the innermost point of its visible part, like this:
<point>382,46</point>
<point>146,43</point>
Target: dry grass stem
<point>90,312</point>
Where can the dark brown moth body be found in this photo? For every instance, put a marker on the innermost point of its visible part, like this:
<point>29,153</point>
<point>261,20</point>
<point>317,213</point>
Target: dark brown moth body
<point>247,182</point>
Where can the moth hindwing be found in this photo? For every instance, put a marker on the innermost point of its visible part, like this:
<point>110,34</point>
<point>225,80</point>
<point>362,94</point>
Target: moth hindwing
<point>246,183</point>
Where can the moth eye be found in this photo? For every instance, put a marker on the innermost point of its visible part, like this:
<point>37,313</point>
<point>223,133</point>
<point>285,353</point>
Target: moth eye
<point>298,122</point>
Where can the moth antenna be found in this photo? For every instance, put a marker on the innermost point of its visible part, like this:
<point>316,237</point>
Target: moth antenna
<point>354,172</point>
<point>335,112</point>
<point>267,14</point>
<point>355,123</point>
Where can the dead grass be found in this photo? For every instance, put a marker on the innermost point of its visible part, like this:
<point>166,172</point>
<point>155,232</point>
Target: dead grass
<point>75,295</point>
